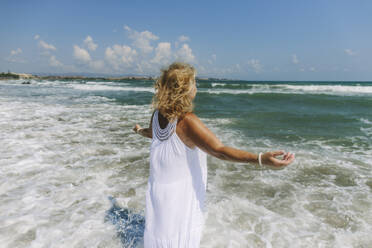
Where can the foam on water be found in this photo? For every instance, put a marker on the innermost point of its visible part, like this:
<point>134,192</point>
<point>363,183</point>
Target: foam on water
<point>365,121</point>
<point>222,84</point>
<point>95,87</point>
<point>59,164</point>
<point>323,199</point>
<point>331,88</point>
<point>343,90</point>
<point>64,157</point>
<point>217,88</point>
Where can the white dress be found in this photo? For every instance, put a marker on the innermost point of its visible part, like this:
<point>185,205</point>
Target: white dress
<point>175,197</point>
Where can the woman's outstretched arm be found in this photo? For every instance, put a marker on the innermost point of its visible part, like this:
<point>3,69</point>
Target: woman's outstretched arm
<point>207,141</point>
<point>145,132</point>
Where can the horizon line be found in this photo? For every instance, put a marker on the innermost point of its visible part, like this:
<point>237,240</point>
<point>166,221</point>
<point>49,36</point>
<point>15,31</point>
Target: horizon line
<point>113,76</point>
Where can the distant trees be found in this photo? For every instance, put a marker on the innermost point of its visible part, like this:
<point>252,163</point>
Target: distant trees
<point>9,75</point>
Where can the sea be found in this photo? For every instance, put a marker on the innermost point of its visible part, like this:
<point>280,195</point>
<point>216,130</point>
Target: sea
<point>74,174</point>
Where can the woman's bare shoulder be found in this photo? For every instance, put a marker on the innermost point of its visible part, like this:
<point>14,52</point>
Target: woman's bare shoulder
<point>190,119</point>
<point>199,135</point>
<point>193,125</point>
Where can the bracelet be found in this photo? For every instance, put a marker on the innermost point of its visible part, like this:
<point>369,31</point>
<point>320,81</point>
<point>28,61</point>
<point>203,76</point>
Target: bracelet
<point>259,158</point>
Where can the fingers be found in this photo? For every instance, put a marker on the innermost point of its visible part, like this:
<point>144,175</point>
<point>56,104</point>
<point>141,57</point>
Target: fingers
<point>136,128</point>
<point>286,156</point>
<point>287,159</point>
<point>270,159</point>
<point>290,158</point>
<point>277,153</point>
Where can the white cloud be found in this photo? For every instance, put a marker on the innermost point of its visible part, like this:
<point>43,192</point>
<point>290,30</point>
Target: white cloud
<point>213,59</point>
<point>54,62</point>
<point>90,44</point>
<point>81,54</point>
<point>127,28</point>
<point>255,65</point>
<point>163,53</point>
<point>349,52</point>
<point>226,70</point>
<point>143,56</point>
<point>294,59</point>
<point>146,67</point>
<point>15,52</point>
<point>183,38</point>
<point>142,40</point>
<point>302,69</point>
<point>120,56</point>
<point>14,56</point>
<point>97,64</point>
<point>312,69</point>
<point>185,54</point>
<point>47,46</point>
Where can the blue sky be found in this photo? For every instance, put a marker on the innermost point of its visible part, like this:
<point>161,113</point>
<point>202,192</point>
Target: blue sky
<point>251,40</point>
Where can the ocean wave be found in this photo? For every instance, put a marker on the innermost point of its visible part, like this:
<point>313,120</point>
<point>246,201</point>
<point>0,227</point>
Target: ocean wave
<point>365,121</point>
<point>293,89</point>
<point>61,161</point>
<point>96,87</point>
<point>367,131</point>
<point>332,88</point>
<point>367,127</point>
<point>106,83</point>
<point>215,87</point>
<point>226,85</point>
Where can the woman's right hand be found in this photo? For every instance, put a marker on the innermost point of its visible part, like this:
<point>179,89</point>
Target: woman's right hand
<point>269,159</point>
<point>136,128</point>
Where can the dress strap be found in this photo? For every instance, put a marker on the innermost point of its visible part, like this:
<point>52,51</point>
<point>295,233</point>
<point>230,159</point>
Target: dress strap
<point>163,133</point>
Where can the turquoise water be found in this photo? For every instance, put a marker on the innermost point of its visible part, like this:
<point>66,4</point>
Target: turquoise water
<point>67,147</point>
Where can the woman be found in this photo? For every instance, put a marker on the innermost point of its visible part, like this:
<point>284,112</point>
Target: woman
<point>178,167</point>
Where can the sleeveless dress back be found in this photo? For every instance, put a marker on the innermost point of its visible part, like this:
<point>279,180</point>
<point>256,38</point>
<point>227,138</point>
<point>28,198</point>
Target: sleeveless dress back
<point>176,188</point>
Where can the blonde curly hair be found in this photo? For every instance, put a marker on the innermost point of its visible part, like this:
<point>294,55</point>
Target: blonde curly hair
<point>172,90</point>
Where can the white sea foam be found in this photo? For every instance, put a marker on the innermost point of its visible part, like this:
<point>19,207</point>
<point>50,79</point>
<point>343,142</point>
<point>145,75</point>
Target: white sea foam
<point>95,87</point>
<point>365,121</point>
<point>53,158</point>
<point>344,90</point>
<point>296,89</point>
<point>332,88</point>
<point>367,127</point>
<point>223,84</point>
<point>60,162</point>
<point>218,84</point>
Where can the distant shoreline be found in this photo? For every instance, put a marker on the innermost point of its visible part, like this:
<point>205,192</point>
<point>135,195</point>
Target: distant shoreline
<point>13,76</point>
<point>25,76</point>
